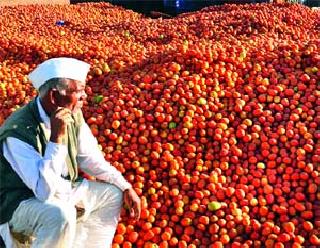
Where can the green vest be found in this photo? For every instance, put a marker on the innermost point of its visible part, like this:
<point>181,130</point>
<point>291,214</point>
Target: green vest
<point>26,125</point>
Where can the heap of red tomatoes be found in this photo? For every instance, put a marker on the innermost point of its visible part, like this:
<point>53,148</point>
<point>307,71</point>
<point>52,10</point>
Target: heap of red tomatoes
<point>213,116</point>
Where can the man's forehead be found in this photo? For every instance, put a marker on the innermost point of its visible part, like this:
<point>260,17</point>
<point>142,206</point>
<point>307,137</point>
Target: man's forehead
<point>74,83</point>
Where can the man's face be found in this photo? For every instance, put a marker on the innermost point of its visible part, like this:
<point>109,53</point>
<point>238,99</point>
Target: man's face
<point>74,97</point>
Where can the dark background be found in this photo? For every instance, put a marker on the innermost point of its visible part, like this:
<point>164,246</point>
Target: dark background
<point>174,7</point>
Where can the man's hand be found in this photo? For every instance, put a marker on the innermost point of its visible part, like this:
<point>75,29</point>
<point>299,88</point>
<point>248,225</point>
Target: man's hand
<point>132,200</point>
<point>59,121</point>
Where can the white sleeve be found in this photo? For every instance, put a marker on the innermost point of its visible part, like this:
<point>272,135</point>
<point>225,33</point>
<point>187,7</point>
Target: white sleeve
<point>41,174</point>
<point>92,161</point>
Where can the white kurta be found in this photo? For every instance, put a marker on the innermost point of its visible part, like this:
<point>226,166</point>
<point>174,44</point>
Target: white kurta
<point>43,174</point>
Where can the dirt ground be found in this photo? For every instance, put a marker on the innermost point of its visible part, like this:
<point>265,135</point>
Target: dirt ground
<point>25,2</point>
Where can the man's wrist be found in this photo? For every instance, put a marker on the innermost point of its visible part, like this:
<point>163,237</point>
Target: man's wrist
<point>125,186</point>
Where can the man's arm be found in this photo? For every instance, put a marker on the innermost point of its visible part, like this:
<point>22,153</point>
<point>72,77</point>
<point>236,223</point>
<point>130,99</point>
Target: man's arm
<point>41,174</point>
<point>91,161</point>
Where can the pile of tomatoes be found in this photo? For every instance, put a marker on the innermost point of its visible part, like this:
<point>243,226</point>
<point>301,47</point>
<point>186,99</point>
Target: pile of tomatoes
<point>213,116</point>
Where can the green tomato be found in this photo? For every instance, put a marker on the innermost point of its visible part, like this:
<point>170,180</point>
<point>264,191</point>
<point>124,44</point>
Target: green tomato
<point>98,98</point>
<point>172,125</point>
<point>214,206</point>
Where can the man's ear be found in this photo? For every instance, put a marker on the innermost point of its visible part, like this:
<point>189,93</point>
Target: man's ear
<point>52,96</point>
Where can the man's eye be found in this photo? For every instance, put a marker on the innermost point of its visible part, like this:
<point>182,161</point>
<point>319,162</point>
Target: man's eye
<point>78,92</point>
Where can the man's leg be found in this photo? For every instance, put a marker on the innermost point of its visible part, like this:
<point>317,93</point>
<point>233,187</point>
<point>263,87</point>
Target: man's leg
<point>102,209</point>
<point>53,223</point>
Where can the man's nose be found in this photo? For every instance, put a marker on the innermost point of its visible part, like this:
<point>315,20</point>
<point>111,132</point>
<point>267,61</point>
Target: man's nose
<point>83,95</point>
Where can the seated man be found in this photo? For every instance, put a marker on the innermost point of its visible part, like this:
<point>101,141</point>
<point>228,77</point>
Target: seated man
<point>41,146</point>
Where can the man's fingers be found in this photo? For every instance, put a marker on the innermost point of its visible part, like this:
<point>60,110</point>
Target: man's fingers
<point>131,199</point>
<point>134,209</point>
<point>132,212</point>
<point>64,114</point>
<point>59,122</point>
<point>137,211</point>
<point>127,201</point>
<point>61,111</point>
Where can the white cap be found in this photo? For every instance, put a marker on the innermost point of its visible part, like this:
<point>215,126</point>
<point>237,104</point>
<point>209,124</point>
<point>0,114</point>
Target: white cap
<point>59,68</point>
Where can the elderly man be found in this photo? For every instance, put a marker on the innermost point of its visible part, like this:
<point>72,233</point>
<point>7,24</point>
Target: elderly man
<point>41,147</point>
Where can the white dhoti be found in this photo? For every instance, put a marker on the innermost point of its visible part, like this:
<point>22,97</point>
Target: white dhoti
<point>55,225</point>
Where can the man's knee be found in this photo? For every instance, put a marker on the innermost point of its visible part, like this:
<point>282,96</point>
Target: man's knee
<point>116,194</point>
<point>59,216</point>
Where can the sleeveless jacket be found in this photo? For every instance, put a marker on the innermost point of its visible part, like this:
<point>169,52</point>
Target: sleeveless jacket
<point>26,125</point>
